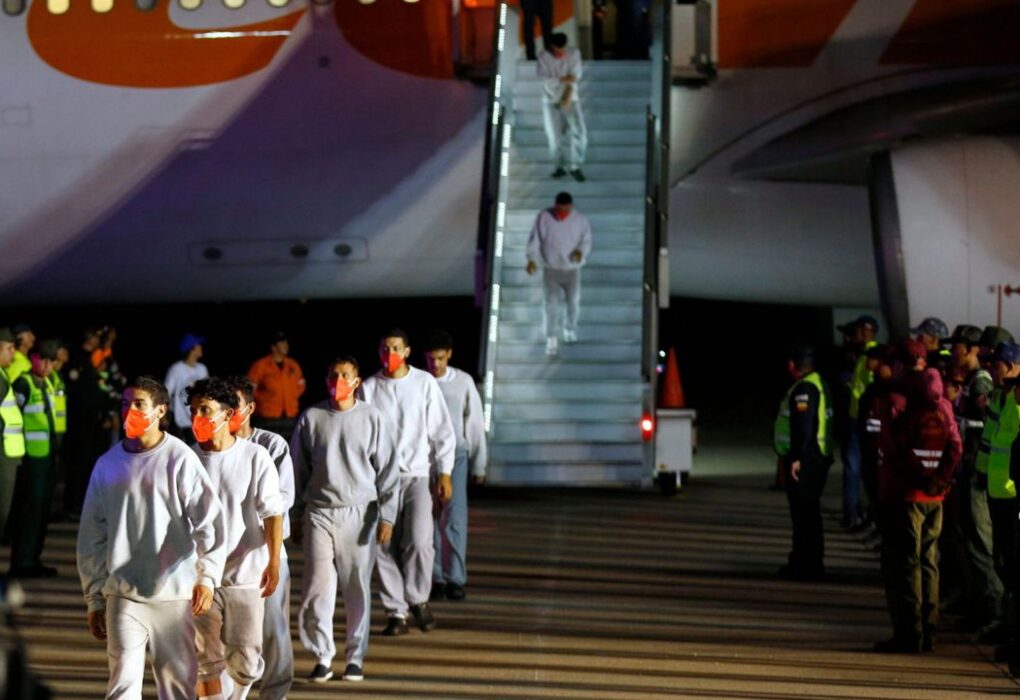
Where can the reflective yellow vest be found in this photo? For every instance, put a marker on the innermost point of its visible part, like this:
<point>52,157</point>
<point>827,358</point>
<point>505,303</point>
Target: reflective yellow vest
<point>1001,445</point>
<point>37,421</point>
<point>991,427</point>
<point>21,365</point>
<point>14,435</point>
<point>862,378</point>
<point>58,402</point>
<point>781,431</point>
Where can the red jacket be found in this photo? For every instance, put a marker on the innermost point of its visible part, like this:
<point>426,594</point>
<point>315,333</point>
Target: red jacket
<point>878,420</point>
<point>930,441</point>
<point>277,389</point>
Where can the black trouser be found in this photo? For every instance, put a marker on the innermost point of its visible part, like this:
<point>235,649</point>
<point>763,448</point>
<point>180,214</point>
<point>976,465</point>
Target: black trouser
<point>910,567</point>
<point>8,481</point>
<point>804,497</point>
<point>1004,549</point>
<point>32,510</point>
<point>83,445</point>
<point>543,11</point>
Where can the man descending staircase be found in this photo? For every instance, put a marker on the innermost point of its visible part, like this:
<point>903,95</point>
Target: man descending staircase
<point>573,419</point>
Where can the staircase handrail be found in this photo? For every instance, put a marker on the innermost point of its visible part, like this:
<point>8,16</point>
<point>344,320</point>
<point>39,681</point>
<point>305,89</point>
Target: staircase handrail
<point>492,207</point>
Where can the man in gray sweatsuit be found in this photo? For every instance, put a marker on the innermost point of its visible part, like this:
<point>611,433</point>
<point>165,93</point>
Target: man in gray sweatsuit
<point>348,478</point>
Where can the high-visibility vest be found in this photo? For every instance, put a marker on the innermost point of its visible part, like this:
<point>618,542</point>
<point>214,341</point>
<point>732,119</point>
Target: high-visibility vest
<point>991,427</point>
<point>862,377</point>
<point>38,422</point>
<point>1001,446</point>
<point>14,424</point>
<point>58,402</point>
<point>19,366</point>
<point>781,431</point>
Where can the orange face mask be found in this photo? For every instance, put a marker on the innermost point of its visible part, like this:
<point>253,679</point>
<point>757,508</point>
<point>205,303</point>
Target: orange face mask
<point>205,428</point>
<point>342,391</point>
<point>394,362</point>
<point>100,356</point>
<point>137,423</point>
<point>238,420</point>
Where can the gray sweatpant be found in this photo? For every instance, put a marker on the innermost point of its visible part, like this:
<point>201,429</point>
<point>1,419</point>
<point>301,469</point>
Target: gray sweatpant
<point>405,567</point>
<point>277,650</point>
<point>451,529</point>
<point>566,134</point>
<point>339,550</point>
<point>557,283</point>
<point>229,636</point>
<point>168,630</point>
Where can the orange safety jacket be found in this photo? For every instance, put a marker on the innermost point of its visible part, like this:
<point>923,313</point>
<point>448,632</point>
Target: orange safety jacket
<point>276,389</point>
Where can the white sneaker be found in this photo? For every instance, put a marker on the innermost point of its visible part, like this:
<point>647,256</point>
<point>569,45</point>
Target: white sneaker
<point>552,347</point>
<point>569,337</point>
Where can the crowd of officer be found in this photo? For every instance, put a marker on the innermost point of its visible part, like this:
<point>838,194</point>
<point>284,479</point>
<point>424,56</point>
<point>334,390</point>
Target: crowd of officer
<point>927,429</point>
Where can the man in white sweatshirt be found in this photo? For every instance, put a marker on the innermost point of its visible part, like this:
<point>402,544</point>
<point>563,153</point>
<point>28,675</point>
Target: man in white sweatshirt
<point>411,401</point>
<point>277,649</point>
<point>179,377</point>
<point>151,550</point>
<point>560,242</point>
<point>229,636</point>
<point>561,107</point>
<point>348,475</point>
<point>449,573</point>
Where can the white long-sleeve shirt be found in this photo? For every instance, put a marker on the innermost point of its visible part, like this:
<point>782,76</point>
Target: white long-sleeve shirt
<point>279,450</point>
<point>346,458</point>
<point>245,479</point>
<point>179,378</point>
<point>415,407</point>
<point>467,414</point>
<point>552,241</point>
<point>553,69</point>
<point>152,526</point>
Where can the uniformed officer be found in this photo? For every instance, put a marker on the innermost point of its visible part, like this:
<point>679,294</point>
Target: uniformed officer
<point>803,437</point>
<point>35,479</point>
<point>12,447</point>
<point>865,328</point>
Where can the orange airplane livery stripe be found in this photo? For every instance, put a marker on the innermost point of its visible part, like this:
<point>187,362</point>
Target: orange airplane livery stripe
<point>777,33</point>
<point>131,48</point>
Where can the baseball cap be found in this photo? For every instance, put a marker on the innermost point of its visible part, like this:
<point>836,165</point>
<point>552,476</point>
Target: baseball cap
<point>862,320</point>
<point>932,326</point>
<point>991,336</point>
<point>969,335</point>
<point>47,350</point>
<point>19,328</point>
<point>801,354</point>
<point>6,336</point>
<point>1006,352</point>
<point>277,337</point>
<point>189,341</point>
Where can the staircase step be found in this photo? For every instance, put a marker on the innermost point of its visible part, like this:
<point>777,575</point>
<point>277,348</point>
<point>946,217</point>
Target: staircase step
<point>534,353</point>
<point>551,474</point>
<point>588,88</point>
<point>593,119</point>
<point>594,294</point>
<point>546,187</point>
<point>597,153</point>
<point>538,391</point>
<point>609,312</point>
<point>531,136</point>
<point>570,370</point>
<point>590,274</point>
<point>595,172</point>
<point>590,329</point>
<point>568,411</point>
<point>600,67</point>
<point>589,205</point>
<point>603,257</point>
<point>555,431</point>
<point>619,104</point>
<point>521,218</point>
<point>530,451</point>
<point>515,242</point>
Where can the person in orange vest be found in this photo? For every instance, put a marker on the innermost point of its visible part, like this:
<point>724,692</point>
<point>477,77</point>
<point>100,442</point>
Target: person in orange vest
<point>279,385</point>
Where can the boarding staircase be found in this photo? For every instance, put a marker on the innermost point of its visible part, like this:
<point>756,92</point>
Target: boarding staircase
<point>574,418</point>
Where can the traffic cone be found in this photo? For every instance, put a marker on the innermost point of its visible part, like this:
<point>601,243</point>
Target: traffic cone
<point>672,392</point>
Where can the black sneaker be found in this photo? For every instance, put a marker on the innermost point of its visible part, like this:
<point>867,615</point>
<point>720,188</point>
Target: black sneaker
<point>558,173</point>
<point>578,175</point>
<point>353,673</point>
<point>423,617</point>
<point>438,592</point>
<point>455,592</point>
<point>396,627</point>
<point>320,674</point>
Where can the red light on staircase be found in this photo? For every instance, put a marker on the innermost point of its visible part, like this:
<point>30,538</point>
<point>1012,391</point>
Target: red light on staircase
<point>647,428</point>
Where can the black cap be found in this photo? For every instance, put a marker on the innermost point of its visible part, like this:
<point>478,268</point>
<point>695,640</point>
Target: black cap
<point>862,320</point>
<point>47,350</point>
<point>991,336</point>
<point>968,335</point>
<point>935,327</point>
<point>1006,352</point>
<point>19,328</point>
<point>802,355</point>
<point>278,337</point>
<point>6,336</point>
